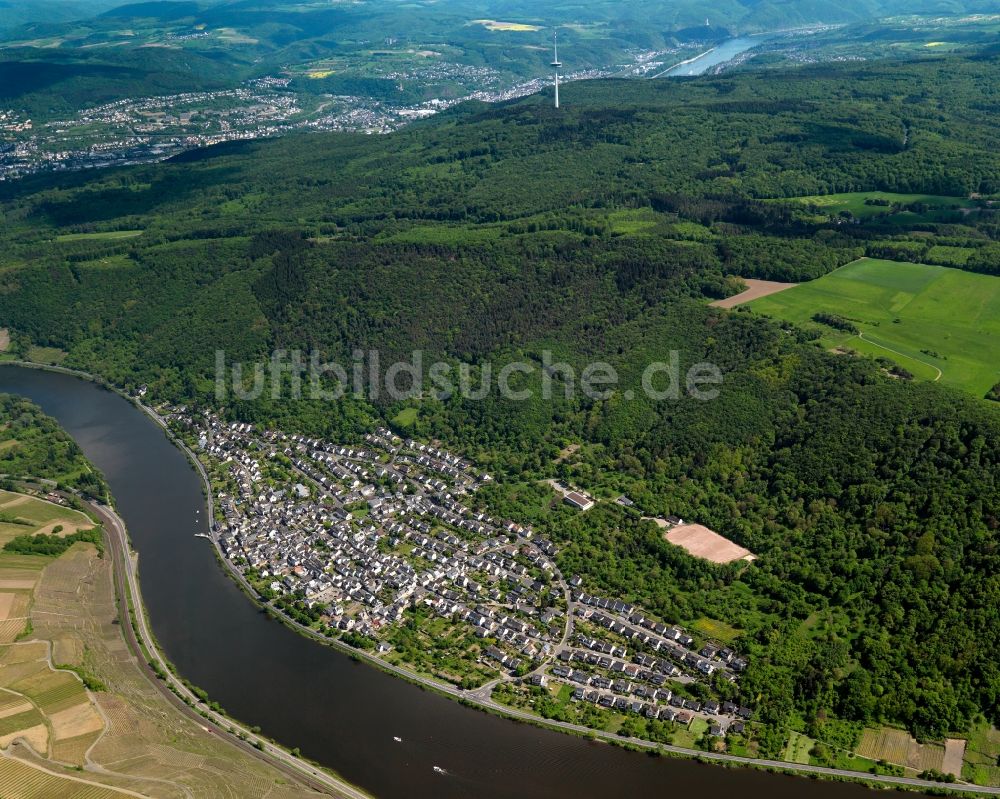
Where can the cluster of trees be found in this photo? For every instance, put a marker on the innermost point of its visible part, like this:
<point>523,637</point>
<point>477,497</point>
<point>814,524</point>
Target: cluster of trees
<point>295,606</point>
<point>52,545</point>
<point>836,322</point>
<point>791,260</point>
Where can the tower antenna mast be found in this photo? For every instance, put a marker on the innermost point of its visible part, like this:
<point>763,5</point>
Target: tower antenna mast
<point>556,63</point>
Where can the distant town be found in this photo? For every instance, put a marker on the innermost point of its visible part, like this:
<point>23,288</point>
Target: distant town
<point>382,546</point>
<point>149,129</point>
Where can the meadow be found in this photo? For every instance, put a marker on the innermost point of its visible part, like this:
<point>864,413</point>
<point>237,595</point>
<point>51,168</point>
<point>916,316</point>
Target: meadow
<point>107,235</point>
<point>866,204</point>
<point>938,323</point>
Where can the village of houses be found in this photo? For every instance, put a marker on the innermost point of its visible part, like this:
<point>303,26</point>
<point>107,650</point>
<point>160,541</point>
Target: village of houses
<point>366,535</point>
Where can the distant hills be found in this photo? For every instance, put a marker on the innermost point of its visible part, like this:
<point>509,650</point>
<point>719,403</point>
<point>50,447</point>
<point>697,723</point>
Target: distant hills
<point>21,12</point>
<point>736,16</point>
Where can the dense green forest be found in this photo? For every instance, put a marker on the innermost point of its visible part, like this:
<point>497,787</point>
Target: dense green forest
<point>599,232</point>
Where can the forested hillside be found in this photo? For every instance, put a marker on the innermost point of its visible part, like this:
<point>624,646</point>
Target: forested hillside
<point>599,232</point>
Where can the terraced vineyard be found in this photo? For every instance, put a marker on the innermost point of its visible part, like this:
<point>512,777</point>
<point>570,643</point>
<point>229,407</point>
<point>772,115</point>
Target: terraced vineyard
<point>20,781</point>
<point>896,746</point>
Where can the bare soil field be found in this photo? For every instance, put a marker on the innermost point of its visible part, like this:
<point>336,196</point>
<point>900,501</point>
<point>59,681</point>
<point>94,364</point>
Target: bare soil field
<point>755,290</point>
<point>954,754</point>
<point>701,542</point>
<point>6,604</point>
<point>25,585</point>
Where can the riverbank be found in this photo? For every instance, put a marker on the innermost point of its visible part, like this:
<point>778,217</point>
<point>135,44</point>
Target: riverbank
<point>160,672</point>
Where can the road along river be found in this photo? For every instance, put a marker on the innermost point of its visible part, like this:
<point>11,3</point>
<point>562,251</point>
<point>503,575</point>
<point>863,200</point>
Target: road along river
<point>339,712</point>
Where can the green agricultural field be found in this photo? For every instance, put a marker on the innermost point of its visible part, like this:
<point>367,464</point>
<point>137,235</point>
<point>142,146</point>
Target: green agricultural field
<point>936,322</point>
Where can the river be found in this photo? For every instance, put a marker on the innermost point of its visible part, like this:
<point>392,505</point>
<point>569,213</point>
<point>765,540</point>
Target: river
<point>339,712</point>
<point>724,52</point>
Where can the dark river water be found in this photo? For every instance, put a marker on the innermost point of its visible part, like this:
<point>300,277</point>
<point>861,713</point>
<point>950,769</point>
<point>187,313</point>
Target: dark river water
<point>339,712</point>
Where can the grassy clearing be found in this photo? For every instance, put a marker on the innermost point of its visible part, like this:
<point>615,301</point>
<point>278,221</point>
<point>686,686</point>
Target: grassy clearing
<point>633,221</point>
<point>690,231</point>
<point>406,417</point>
<point>111,262</point>
<point>109,235</point>
<point>716,630</point>
<point>938,323</point>
<point>865,204</point>
<point>982,755</point>
<point>451,235</point>
<point>688,736</point>
<point>798,748</point>
<point>50,355</point>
